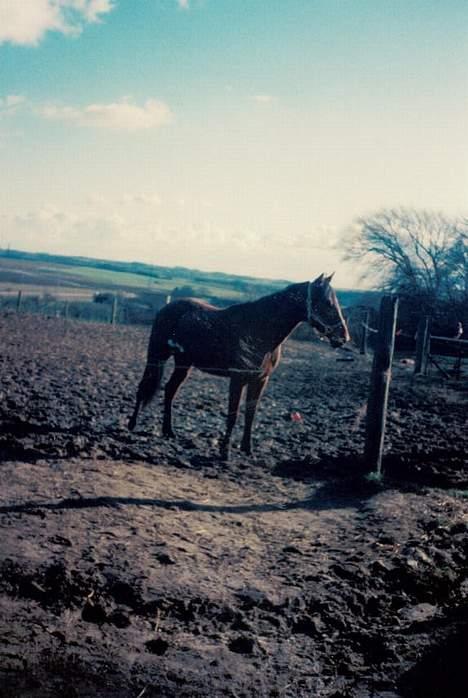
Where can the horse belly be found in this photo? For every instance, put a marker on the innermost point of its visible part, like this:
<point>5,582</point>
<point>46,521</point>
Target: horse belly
<point>208,355</point>
<point>213,371</point>
<point>211,359</point>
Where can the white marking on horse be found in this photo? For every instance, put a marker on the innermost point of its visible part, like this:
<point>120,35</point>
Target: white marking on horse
<point>175,345</point>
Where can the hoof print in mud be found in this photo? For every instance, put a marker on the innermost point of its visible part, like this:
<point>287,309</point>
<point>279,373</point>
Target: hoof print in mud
<point>165,559</point>
<point>242,644</point>
<point>60,540</point>
<point>119,619</point>
<point>94,613</point>
<point>157,646</point>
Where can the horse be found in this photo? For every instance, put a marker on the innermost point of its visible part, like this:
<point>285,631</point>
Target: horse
<point>242,342</point>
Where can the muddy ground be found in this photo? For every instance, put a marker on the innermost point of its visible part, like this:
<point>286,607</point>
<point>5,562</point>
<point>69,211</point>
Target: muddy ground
<point>133,566</point>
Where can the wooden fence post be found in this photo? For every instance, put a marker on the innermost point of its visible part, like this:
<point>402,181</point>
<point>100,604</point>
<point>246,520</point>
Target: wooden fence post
<point>19,301</point>
<point>114,310</point>
<point>380,384</point>
<point>364,333</point>
<point>423,339</point>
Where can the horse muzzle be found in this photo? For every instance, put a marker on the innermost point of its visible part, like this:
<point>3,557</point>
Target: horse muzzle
<point>337,335</point>
<point>337,342</point>
<point>340,338</point>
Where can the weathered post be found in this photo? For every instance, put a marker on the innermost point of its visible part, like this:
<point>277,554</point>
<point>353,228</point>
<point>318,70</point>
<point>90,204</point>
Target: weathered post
<point>380,383</point>
<point>422,345</point>
<point>19,300</point>
<point>364,333</point>
<point>114,310</point>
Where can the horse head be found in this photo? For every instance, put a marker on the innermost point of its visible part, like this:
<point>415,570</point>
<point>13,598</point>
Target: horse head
<point>324,312</point>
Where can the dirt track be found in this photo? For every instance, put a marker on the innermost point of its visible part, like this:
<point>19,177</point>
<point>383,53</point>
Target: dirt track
<point>133,566</point>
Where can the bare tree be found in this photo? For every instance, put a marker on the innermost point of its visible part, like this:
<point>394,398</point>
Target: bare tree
<point>458,269</point>
<point>410,250</point>
<point>421,255</point>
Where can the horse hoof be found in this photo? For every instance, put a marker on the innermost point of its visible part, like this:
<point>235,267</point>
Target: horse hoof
<point>169,434</point>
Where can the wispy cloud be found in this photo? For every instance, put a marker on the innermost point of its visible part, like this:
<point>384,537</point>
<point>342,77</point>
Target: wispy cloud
<point>263,98</point>
<point>60,229</point>
<point>184,4</point>
<point>26,22</point>
<point>317,237</point>
<point>145,199</point>
<point>10,104</point>
<point>116,116</point>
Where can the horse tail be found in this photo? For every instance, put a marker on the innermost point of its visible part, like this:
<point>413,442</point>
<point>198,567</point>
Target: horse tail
<point>150,383</point>
<point>159,352</point>
<point>147,389</point>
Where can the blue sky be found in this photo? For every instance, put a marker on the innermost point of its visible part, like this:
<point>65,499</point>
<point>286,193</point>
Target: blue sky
<point>236,135</point>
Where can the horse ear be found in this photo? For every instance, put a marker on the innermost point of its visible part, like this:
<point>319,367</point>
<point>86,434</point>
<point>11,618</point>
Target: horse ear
<point>329,278</point>
<point>318,281</point>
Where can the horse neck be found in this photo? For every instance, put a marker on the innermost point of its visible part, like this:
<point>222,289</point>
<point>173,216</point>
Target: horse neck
<point>277,315</point>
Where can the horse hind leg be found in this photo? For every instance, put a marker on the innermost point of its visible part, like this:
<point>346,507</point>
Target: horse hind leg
<point>148,387</point>
<point>236,388</point>
<point>254,393</point>
<point>173,384</point>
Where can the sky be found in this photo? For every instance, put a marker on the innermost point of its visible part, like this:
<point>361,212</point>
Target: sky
<point>244,136</point>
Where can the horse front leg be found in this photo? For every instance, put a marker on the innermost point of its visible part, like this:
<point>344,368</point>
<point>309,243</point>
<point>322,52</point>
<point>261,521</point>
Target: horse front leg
<point>170,391</point>
<point>236,388</point>
<point>254,393</point>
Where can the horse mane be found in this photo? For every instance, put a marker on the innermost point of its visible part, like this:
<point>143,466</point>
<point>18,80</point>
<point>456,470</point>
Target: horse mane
<point>272,297</point>
<point>197,301</point>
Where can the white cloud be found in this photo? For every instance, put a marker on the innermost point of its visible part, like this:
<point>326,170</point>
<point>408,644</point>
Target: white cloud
<point>117,116</point>
<point>147,199</point>
<point>263,98</point>
<point>10,104</point>
<point>55,229</point>
<point>96,200</point>
<point>26,22</point>
<point>318,237</point>
<point>92,9</point>
<point>14,100</point>
<point>184,4</point>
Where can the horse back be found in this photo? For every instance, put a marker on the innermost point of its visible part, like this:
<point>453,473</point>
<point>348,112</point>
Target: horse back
<point>168,326</point>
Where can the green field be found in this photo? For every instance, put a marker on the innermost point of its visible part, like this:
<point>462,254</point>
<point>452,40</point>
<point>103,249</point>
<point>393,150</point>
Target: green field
<point>23,272</point>
<point>67,278</point>
<point>108,279</point>
<point>83,288</point>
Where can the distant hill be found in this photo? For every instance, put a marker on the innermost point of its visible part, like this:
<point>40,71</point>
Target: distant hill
<point>85,287</point>
<point>68,270</point>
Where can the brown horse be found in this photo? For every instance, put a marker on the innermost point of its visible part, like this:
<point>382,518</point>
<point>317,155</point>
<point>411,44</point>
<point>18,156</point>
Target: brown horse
<point>241,342</point>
